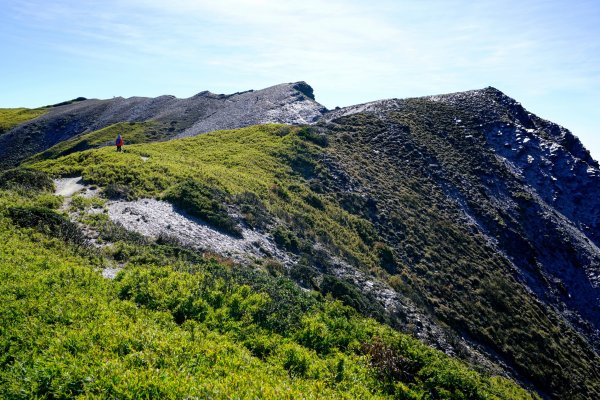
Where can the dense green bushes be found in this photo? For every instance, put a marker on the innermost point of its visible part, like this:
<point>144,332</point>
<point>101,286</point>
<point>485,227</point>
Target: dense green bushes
<point>46,221</point>
<point>261,173</point>
<point>174,324</point>
<point>11,117</point>
<point>264,174</point>
<point>27,179</point>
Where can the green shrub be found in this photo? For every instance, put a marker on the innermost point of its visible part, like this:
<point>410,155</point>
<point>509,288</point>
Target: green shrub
<point>118,191</point>
<point>295,361</point>
<point>11,117</point>
<point>314,201</point>
<point>48,222</point>
<point>386,257</point>
<point>285,239</point>
<point>391,366</point>
<point>253,210</point>
<point>29,179</point>
<point>204,202</point>
<point>311,134</point>
<point>81,203</point>
<point>175,325</point>
<point>344,291</point>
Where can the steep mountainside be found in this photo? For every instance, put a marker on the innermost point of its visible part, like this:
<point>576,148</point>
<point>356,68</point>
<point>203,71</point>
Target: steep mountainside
<point>90,309</point>
<point>462,219</point>
<point>472,191</point>
<point>286,103</point>
<point>528,185</point>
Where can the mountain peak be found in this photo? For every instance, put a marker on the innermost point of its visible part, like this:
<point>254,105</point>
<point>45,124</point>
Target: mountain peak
<point>305,89</point>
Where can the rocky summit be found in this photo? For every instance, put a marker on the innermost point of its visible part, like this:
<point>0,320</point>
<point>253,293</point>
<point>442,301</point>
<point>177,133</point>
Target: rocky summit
<point>445,246</point>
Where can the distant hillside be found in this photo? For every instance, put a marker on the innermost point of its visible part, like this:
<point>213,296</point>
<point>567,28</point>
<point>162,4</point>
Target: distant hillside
<point>170,117</point>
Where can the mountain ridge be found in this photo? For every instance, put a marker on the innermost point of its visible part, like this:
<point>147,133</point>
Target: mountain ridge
<point>203,112</point>
<point>462,218</point>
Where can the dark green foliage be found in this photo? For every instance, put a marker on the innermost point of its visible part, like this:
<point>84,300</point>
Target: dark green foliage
<point>295,362</point>
<point>64,103</point>
<point>304,274</point>
<point>253,210</point>
<point>168,240</point>
<point>314,136</point>
<point>280,192</point>
<point>351,296</point>
<point>112,232</point>
<point>286,239</point>
<point>344,292</point>
<point>357,204</point>
<point>315,201</point>
<point>302,162</point>
<point>386,257</point>
<point>46,221</point>
<point>28,179</point>
<point>365,230</point>
<point>390,364</point>
<point>118,191</point>
<point>204,202</point>
<point>288,302</point>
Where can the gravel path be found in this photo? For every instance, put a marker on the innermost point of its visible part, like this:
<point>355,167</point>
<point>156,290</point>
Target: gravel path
<point>152,218</point>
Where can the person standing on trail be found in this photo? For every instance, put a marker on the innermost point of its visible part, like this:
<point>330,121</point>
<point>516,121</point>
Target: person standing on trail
<point>119,142</point>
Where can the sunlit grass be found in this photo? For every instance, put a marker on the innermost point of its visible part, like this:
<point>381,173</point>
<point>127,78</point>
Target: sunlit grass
<point>11,117</point>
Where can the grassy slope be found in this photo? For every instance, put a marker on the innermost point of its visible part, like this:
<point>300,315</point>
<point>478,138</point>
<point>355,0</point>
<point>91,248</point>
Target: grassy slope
<point>275,163</point>
<point>132,133</point>
<point>174,324</point>
<point>268,161</point>
<point>11,117</point>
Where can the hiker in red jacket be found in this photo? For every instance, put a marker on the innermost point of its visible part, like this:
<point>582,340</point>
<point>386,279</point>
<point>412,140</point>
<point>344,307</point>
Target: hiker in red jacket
<point>119,142</point>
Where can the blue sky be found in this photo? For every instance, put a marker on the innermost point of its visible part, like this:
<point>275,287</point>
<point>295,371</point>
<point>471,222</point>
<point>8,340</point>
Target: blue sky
<point>546,54</point>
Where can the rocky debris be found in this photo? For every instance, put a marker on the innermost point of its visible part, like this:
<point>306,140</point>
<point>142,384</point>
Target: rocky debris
<point>67,187</point>
<point>110,272</point>
<point>286,103</point>
<point>153,218</point>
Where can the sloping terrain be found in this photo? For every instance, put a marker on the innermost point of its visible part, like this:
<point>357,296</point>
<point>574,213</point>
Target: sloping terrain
<point>175,323</point>
<point>167,116</point>
<point>478,225</point>
<point>11,117</point>
<point>462,219</point>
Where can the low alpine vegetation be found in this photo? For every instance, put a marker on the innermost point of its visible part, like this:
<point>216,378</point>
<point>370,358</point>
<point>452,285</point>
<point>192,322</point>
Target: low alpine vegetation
<point>11,117</point>
<point>178,324</point>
